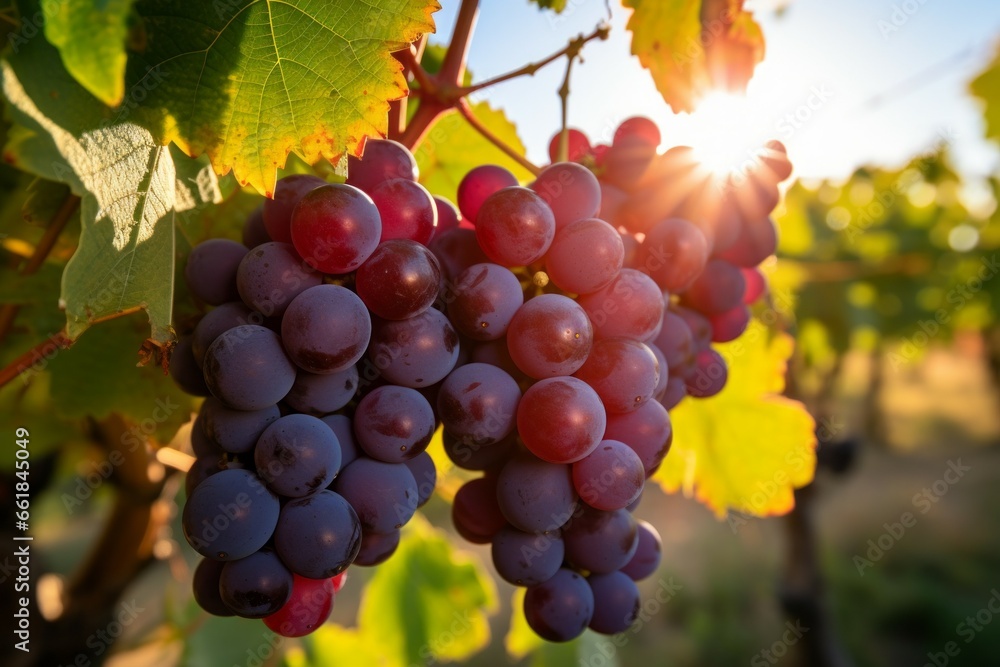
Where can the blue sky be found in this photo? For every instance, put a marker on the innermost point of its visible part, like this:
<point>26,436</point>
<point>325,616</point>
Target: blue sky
<point>881,96</point>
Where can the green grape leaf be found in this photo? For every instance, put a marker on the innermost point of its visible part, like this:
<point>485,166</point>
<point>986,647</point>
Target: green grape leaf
<point>145,395</point>
<point>747,448</point>
<point>452,148</point>
<point>692,48</point>
<point>90,37</point>
<point>986,87</point>
<point>248,81</point>
<point>428,600</point>
<point>555,5</point>
<point>128,184</point>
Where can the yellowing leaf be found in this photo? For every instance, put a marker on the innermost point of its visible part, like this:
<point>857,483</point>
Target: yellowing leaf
<point>90,37</point>
<point>747,448</point>
<point>691,48</point>
<point>249,81</point>
<point>452,148</point>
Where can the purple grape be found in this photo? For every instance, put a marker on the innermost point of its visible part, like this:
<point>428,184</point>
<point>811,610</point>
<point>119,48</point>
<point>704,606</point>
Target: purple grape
<point>318,536</point>
<point>599,541</point>
<point>484,300</point>
<point>246,368</point>
<point>647,555</point>
<point>344,430</point>
<point>336,228</point>
<point>425,474</point>
<point>646,430</point>
<point>376,548</point>
<point>477,185</point>
<point>230,515</point>
<point>273,274</point>
<point>416,352</point>
<point>205,586</point>
<point>475,511</point>
<point>382,160</point>
<point>236,431</point>
<point>185,369</point>
<point>559,609</point>
<point>616,602</point>
<point>326,329</point>
<point>478,403</point>
<point>297,455</point>
<point>401,279</point>
<point>384,495</point>
<point>631,306</point>
<point>549,336</point>
<point>571,191</point>
<point>515,227</point>
<point>393,424</point>
<point>585,256</point>
<point>407,210</point>
<point>623,372</point>
<point>255,586</point>
<point>254,230</point>
<point>322,394</point>
<point>609,478</point>
<point>277,212</point>
<point>218,321</point>
<point>527,559</point>
<point>211,268</point>
<point>536,496</point>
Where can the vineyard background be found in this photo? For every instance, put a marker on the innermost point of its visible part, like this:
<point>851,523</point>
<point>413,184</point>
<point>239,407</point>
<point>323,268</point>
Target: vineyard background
<point>886,276</point>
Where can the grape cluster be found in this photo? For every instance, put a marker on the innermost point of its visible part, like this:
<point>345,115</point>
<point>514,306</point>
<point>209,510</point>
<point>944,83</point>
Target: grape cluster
<point>547,329</point>
<point>318,357</point>
<point>631,264</point>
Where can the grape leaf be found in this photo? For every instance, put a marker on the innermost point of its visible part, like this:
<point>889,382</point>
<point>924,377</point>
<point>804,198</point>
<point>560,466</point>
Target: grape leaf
<point>248,81</point>
<point>452,148</point>
<point>555,5</point>
<point>691,48</point>
<point>986,87</point>
<point>428,600</point>
<point>90,37</point>
<point>145,395</point>
<point>128,184</point>
<point>746,448</point>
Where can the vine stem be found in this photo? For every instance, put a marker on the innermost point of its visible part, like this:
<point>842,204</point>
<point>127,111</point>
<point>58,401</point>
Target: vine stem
<point>8,312</point>
<point>466,111</point>
<point>37,354</point>
<point>571,50</point>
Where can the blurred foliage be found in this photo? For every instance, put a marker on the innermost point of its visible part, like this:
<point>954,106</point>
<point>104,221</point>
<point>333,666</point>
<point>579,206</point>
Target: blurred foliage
<point>907,254</point>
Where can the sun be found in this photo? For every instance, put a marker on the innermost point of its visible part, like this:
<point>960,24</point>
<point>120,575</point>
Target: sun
<point>724,132</point>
